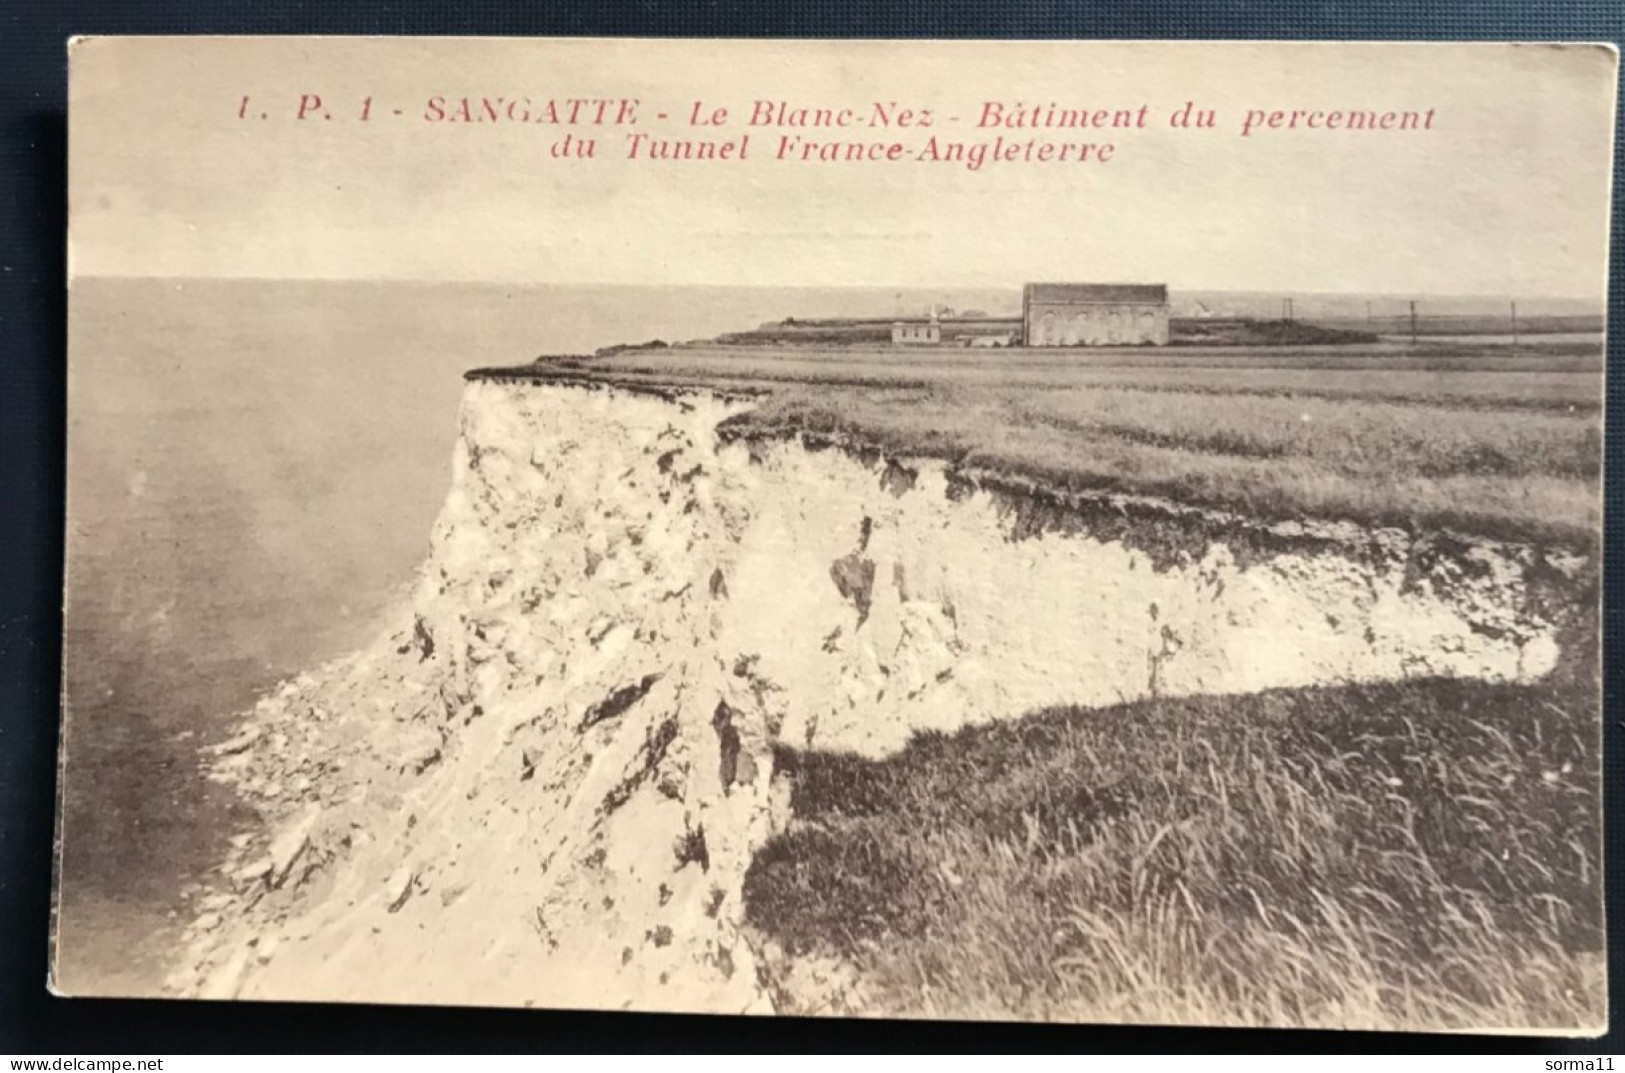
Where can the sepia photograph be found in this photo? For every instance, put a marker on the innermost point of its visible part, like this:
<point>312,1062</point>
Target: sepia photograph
<point>1101,532</point>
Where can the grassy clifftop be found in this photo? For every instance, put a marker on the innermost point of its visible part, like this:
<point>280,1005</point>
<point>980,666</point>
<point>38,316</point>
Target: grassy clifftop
<point>1419,854</point>
<point>1487,440</point>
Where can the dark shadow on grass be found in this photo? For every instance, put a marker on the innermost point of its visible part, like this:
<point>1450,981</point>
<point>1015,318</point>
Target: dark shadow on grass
<point>1397,853</point>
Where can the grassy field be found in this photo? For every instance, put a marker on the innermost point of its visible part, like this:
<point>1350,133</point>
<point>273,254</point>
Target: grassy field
<point>1495,441</point>
<point>1420,855</point>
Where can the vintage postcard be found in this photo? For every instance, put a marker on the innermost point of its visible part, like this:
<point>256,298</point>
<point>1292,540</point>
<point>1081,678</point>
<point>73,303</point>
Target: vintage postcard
<point>1094,532</point>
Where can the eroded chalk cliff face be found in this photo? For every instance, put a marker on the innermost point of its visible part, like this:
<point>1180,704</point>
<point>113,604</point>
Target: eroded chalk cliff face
<point>544,784</point>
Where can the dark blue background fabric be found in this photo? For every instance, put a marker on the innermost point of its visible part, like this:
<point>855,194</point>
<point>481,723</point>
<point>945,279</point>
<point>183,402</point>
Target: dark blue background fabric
<point>33,101</point>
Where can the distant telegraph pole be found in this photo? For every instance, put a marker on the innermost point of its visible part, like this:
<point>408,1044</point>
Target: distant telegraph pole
<point>1514,326</point>
<point>1413,322</point>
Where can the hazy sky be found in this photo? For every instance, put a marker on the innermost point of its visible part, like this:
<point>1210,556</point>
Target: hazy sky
<point>1507,194</point>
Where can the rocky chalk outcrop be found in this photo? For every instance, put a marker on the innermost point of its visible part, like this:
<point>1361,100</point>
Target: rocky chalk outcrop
<point>544,784</point>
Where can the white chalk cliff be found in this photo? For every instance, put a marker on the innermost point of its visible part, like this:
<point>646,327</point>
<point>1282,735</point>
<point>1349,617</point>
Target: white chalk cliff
<point>544,784</point>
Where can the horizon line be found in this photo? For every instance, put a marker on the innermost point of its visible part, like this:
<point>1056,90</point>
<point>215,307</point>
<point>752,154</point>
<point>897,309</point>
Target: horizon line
<point>1601,298</point>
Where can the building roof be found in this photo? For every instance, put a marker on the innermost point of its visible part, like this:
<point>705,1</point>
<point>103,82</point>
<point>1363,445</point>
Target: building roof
<point>1075,293</point>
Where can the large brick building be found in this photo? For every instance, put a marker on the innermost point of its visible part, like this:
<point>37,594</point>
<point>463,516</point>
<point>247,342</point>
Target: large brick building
<point>1095,314</point>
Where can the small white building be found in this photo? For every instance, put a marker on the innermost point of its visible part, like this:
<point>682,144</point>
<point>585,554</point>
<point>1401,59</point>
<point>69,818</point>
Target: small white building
<point>916,333</point>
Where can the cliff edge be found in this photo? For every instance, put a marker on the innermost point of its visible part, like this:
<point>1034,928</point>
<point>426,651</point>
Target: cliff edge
<point>544,784</point>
